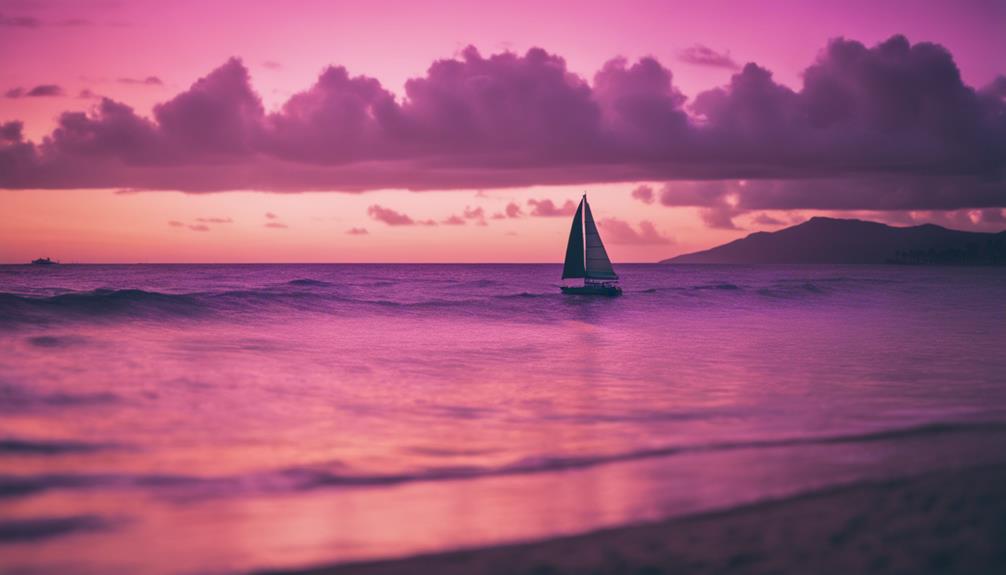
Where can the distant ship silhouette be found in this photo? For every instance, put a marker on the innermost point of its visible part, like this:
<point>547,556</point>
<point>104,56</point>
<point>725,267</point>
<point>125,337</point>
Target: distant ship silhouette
<point>587,259</point>
<point>43,262</point>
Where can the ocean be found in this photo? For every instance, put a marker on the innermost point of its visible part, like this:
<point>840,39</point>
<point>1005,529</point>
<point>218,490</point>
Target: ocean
<point>228,418</point>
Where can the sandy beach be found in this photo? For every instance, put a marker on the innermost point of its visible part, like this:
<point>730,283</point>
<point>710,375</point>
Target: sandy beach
<point>944,522</point>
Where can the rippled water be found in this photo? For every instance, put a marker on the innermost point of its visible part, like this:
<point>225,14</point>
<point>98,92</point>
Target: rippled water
<point>170,419</point>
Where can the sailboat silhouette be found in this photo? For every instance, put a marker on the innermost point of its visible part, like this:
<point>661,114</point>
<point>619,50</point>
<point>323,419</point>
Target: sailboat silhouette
<point>586,257</point>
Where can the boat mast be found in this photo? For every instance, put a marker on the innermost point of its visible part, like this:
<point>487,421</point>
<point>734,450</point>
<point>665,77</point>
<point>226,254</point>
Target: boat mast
<point>583,236</point>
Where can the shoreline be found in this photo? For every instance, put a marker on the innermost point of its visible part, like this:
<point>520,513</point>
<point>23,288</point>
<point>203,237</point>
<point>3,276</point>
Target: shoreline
<point>950,521</point>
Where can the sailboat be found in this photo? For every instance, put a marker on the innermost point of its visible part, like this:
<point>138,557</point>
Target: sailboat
<point>586,258</point>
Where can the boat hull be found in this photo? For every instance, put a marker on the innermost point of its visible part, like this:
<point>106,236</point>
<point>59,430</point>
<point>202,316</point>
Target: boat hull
<point>601,290</point>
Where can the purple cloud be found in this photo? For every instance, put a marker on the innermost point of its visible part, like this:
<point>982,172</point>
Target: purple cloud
<point>547,209</point>
<point>271,216</point>
<point>895,119</point>
<point>215,220</point>
<point>617,231</point>
<point>11,131</point>
<point>357,231</point>
<point>513,210</point>
<point>477,214</point>
<point>701,55</point>
<point>199,227</point>
<point>176,224</point>
<point>147,81</point>
<point>19,21</point>
<point>643,194</point>
<point>44,91</point>
<point>389,216</point>
<point>454,220</point>
<point>764,219</point>
<point>217,119</point>
<point>40,91</point>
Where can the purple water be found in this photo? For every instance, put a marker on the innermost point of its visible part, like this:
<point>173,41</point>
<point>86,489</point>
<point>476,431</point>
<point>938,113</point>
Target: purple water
<point>205,419</point>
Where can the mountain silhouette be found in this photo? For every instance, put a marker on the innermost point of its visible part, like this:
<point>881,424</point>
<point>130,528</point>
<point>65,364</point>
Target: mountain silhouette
<point>840,241</point>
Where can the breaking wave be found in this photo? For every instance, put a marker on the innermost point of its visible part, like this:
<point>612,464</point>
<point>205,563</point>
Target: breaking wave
<point>319,477</point>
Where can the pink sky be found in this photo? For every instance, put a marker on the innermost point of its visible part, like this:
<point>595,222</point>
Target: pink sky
<point>144,53</point>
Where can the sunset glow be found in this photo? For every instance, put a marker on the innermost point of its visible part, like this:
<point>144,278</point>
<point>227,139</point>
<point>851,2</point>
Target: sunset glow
<point>85,52</point>
<point>172,168</point>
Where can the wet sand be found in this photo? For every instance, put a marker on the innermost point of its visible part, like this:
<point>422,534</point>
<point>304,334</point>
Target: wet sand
<point>945,522</point>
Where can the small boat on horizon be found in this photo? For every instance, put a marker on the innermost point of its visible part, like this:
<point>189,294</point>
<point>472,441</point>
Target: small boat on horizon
<point>586,258</point>
<point>43,262</point>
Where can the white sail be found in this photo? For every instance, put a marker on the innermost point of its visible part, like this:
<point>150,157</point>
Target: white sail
<point>598,266</point>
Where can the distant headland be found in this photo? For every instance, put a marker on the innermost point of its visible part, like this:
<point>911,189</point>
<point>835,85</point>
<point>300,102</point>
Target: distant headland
<point>844,241</point>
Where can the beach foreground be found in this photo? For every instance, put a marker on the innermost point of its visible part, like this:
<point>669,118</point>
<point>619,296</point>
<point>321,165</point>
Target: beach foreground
<point>943,522</point>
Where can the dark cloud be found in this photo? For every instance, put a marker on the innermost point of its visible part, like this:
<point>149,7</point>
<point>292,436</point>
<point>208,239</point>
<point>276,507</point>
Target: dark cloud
<point>215,220</point>
<point>357,231</point>
<point>885,127</point>
<point>996,88</point>
<point>454,220</point>
<point>389,216</point>
<point>617,231</point>
<point>19,21</point>
<point>764,219</point>
<point>271,216</point>
<point>513,210</point>
<point>705,56</point>
<point>40,91</point>
<point>42,528</point>
<point>476,214</point>
<point>720,217</point>
<point>11,131</point>
<point>992,215</point>
<point>87,94</point>
<point>643,194</point>
<point>199,227</point>
<point>176,224</point>
<point>547,208</point>
<point>44,91</point>
<point>74,22</point>
<point>217,119</point>
<point>148,81</point>
<point>33,22</point>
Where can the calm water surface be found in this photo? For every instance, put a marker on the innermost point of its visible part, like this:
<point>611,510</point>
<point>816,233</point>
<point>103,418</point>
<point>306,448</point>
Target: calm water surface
<point>212,419</point>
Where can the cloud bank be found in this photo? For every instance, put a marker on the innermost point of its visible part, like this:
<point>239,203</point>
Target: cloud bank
<point>886,127</point>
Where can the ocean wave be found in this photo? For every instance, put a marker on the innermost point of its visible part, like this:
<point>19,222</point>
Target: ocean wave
<point>309,283</point>
<point>299,295</point>
<point>334,476</point>
<point>97,303</point>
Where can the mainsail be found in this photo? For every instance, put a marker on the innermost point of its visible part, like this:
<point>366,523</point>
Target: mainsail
<point>598,264</point>
<point>573,268</point>
<point>585,254</point>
